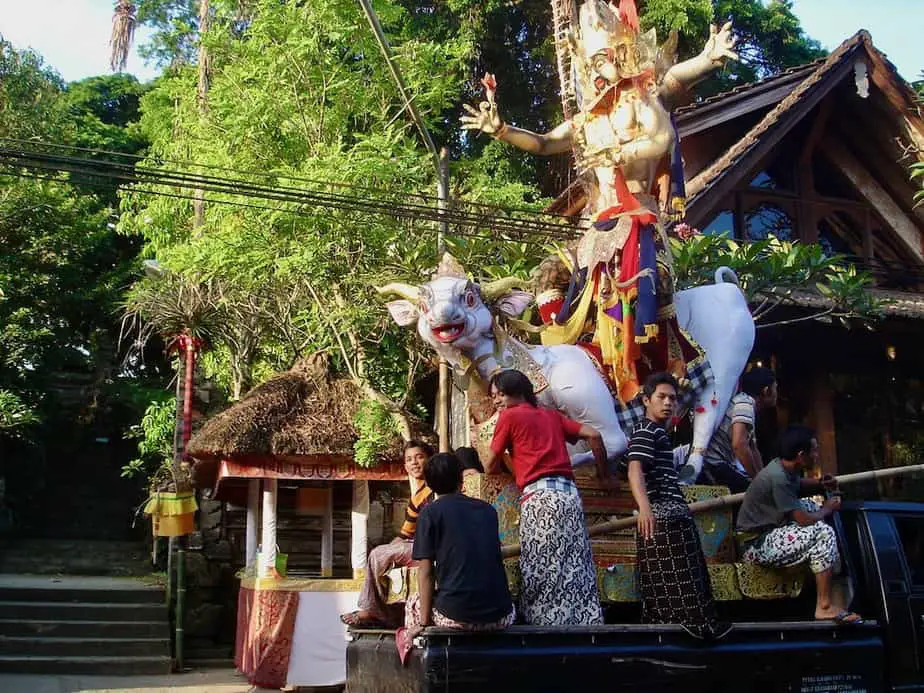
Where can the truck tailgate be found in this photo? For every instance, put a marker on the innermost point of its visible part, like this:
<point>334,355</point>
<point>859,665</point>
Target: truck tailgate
<point>778,657</point>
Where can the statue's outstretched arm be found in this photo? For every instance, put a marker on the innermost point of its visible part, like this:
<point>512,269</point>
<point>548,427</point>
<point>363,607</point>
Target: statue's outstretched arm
<point>683,76</point>
<point>486,119</point>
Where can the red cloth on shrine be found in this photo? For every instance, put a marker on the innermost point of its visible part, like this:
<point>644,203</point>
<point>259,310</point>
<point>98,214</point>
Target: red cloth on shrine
<point>263,641</point>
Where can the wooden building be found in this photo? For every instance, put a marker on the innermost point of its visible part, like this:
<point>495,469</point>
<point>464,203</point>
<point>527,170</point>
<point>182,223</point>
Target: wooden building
<point>821,153</point>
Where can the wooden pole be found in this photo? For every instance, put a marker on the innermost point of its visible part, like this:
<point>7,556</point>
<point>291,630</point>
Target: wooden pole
<point>445,382</point>
<point>512,550</point>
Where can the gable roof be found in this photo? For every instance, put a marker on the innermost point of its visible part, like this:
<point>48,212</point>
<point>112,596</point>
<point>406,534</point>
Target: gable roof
<point>716,109</point>
<point>794,92</point>
<point>817,83</point>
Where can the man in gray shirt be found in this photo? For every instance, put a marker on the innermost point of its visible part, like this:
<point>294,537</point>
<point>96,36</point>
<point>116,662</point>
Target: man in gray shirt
<point>781,529</point>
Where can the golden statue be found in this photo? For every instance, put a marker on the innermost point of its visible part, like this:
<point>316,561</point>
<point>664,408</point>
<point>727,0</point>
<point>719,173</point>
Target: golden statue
<point>613,292</point>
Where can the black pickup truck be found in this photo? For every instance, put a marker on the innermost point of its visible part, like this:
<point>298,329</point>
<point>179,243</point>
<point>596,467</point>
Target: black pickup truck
<point>771,648</point>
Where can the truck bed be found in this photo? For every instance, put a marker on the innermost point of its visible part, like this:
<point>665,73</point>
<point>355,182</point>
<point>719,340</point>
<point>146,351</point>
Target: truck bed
<point>776,657</point>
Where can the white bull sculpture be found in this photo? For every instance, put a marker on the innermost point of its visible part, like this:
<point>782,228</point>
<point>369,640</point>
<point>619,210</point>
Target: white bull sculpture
<point>453,316</point>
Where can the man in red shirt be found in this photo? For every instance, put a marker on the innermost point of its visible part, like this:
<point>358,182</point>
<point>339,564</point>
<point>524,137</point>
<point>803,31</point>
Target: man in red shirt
<point>559,577</point>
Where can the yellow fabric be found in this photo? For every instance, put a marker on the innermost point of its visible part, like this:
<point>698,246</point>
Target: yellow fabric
<point>573,328</point>
<point>173,525</point>
<point>167,504</point>
<point>302,584</point>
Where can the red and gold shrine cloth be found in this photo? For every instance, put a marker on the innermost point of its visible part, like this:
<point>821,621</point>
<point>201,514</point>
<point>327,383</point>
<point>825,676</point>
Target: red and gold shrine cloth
<point>263,641</point>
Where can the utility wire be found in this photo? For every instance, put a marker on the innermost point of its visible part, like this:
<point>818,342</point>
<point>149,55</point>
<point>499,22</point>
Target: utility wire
<point>389,207</point>
<point>297,211</point>
<point>424,198</point>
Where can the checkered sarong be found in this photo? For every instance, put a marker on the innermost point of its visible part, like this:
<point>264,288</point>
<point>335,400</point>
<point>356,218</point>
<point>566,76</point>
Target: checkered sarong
<point>700,377</point>
<point>551,483</point>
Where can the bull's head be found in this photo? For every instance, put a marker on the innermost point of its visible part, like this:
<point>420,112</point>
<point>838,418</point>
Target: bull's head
<point>453,313</point>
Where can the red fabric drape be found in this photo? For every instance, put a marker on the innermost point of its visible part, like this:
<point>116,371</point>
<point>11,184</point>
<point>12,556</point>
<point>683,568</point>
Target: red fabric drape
<point>263,642</point>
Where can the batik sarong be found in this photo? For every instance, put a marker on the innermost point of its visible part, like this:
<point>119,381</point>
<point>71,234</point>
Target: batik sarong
<point>672,576</point>
<point>559,579</point>
<point>793,544</point>
<point>412,618</point>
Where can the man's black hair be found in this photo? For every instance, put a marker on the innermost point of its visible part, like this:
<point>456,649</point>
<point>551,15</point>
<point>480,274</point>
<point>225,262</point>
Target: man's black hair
<point>426,447</point>
<point>755,380</point>
<point>469,459</point>
<point>655,379</point>
<point>443,473</point>
<point>796,439</point>
<point>514,383</point>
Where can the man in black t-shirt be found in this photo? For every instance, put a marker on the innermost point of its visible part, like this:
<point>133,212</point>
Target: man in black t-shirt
<point>460,574</point>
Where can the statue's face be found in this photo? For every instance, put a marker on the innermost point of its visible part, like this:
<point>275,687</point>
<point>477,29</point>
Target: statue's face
<point>452,313</point>
<point>627,59</point>
<point>603,65</point>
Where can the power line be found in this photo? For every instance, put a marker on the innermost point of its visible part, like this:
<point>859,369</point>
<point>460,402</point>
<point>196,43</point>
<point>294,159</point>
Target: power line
<point>427,200</point>
<point>459,217</point>
<point>160,193</point>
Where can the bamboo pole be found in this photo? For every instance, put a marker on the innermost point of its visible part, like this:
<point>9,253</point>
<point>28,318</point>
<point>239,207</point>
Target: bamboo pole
<point>512,550</point>
<point>444,393</point>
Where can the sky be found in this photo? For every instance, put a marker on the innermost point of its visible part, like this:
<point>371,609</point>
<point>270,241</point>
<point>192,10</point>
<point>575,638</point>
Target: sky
<point>895,25</point>
<point>73,35</point>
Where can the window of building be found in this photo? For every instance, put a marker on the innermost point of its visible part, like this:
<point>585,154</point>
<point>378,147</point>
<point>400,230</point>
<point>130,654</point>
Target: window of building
<point>778,175</point>
<point>768,219</point>
<point>838,234</point>
<point>721,223</point>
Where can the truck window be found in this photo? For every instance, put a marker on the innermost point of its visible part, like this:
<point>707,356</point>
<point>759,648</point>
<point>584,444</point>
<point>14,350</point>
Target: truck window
<point>911,533</point>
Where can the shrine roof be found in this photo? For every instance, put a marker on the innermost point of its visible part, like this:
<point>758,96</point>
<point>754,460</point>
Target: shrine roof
<point>302,416</point>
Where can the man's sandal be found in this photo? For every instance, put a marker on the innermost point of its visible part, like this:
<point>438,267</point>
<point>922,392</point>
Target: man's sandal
<point>848,618</point>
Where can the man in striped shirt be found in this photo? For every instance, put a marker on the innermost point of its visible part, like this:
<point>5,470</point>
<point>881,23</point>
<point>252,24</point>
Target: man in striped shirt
<point>397,553</point>
<point>732,458</point>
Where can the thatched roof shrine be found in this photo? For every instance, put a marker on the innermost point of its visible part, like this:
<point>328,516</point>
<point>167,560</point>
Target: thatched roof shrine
<point>297,424</point>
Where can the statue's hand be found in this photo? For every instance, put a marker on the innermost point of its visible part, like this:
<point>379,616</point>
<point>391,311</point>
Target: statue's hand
<point>485,118</point>
<point>721,44</point>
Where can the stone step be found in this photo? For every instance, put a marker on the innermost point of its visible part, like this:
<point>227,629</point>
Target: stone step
<point>91,567</point>
<point>91,666</point>
<point>87,629</point>
<point>82,611</point>
<point>67,594</point>
<point>84,647</point>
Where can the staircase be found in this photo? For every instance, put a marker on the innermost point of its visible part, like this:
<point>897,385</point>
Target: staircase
<point>82,625</point>
<point>73,557</point>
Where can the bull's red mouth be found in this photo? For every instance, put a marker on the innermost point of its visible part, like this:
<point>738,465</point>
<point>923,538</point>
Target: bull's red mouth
<point>448,333</point>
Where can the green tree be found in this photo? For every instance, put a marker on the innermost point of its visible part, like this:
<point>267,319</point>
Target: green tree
<point>301,94</point>
<point>63,270</point>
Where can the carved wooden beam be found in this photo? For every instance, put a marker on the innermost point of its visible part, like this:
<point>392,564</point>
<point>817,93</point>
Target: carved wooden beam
<point>876,195</point>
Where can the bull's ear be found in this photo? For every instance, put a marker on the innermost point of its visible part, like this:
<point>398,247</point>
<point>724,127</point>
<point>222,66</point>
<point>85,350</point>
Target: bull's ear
<point>513,303</point>
<point>404,312</point>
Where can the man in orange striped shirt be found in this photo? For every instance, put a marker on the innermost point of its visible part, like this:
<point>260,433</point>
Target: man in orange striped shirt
<point>396,554</point>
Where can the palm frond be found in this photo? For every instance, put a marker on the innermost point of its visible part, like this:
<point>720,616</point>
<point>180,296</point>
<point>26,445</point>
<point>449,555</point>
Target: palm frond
<point>173,305</point>
<point>123,33</point>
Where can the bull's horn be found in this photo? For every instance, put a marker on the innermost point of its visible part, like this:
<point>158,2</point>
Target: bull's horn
<point>411,293</point>
<point>499,287</point>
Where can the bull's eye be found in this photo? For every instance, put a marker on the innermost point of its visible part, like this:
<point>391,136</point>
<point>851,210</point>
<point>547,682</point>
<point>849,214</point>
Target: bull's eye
<point>470,299</point>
